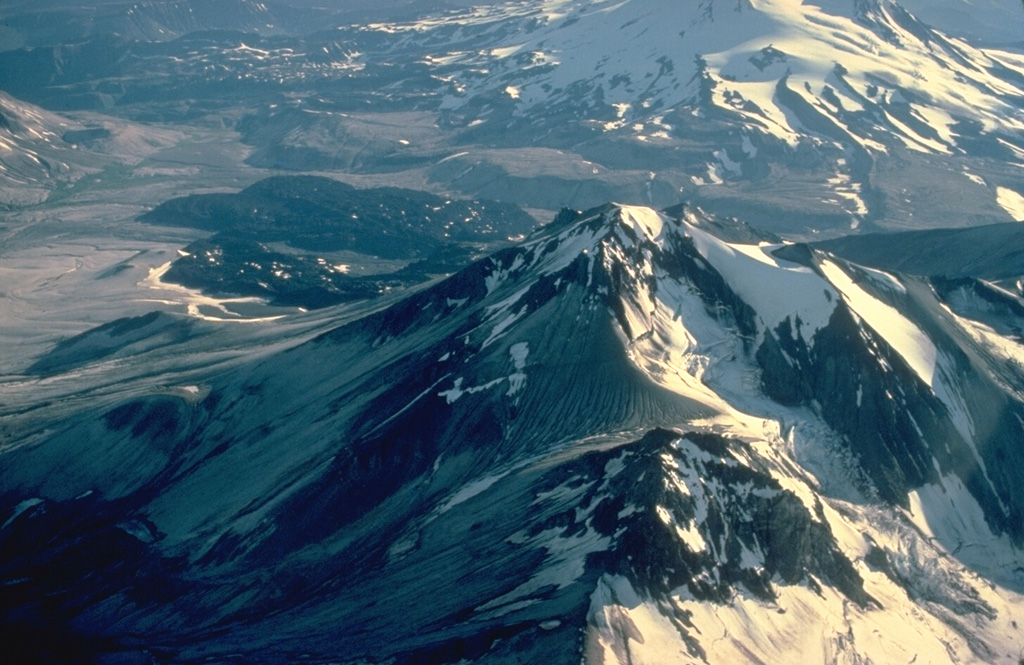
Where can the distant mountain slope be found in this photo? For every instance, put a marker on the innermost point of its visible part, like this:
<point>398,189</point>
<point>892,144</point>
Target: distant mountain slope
<point>989,22</point>
<point>808,118</point>
<point>990,252</point>
<point>49,22</point>
<point>42,151</point>
<point>849,81</point>
<point>866,73</point>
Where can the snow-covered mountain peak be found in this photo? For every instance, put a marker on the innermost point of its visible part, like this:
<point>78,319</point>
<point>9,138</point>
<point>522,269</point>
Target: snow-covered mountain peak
<point>646,263</point>
<point>709,319</point>
<point>655,433</point>
<point>848,81</point>
<point>643,222</point>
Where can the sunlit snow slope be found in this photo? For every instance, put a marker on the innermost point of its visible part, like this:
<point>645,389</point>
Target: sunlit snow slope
<point>840,71</point>
<point>826,84</point>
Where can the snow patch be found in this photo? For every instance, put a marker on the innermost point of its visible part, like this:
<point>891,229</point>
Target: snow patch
<point>623,627</point>
<point>1012,202</point>
<point>471,490</point>
<point>453,394</point>
<point>776,289</point>
<point>500,273</point>
<point>645,222</point>
<point>904,337</point>
<point>564,564</point>
<point>518,353</point>
<point>27,504</point>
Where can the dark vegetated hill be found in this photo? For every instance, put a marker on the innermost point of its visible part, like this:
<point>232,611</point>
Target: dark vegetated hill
<point>320,214</point>
<point>230,265</point>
